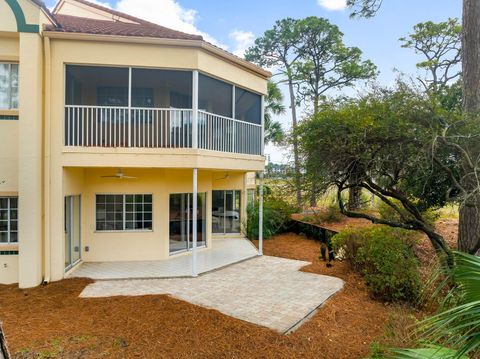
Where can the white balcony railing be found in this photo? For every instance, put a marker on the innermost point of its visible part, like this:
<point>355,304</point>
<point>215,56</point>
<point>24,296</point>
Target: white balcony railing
<point>219,133</point>
<point>106,126</point>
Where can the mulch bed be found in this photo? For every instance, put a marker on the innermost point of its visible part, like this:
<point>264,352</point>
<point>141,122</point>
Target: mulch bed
<point>53,322</point>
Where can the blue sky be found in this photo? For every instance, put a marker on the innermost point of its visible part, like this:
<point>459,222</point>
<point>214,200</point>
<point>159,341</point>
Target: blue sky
<point>235,24</point>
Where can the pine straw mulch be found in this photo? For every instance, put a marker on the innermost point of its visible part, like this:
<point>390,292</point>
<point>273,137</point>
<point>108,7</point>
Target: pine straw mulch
<point>53,322</point>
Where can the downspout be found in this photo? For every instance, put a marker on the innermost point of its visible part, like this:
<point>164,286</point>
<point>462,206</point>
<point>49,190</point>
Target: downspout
<point>46,164</point>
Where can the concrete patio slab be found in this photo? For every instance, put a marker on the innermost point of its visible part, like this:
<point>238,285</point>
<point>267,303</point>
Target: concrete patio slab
<point>267,291</point>
<point>224,251</point>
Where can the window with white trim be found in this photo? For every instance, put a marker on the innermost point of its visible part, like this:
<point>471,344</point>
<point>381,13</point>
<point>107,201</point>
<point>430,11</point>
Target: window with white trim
<point>8,86</point>
<point>123,212</point>
<point>8,219</point>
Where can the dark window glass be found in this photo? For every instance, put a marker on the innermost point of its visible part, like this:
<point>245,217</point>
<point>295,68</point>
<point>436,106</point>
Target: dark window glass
<point>248,106</point>
<point>111,212</point>
<point>161,88</point>
<point>8,220</point>
<point>214,96</point>
<point>96,86</point>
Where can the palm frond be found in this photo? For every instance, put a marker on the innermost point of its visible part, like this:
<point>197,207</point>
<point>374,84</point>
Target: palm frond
<point>431,352</point>
<point>456,326</point>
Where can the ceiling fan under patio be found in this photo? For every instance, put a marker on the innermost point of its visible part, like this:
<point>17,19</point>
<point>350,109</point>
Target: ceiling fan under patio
<point>120,175</point>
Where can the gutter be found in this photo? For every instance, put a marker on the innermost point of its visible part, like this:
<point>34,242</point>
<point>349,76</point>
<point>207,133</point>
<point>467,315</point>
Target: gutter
<point>46,164</point>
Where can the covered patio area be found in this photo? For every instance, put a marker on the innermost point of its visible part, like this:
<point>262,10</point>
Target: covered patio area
<point>225,251</point>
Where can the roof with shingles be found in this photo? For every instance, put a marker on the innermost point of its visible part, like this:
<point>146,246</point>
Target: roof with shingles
<point>130,26</point>
<point>68,23</point>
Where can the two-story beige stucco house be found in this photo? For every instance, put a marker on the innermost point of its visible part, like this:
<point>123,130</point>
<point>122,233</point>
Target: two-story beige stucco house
<point>120,140</point>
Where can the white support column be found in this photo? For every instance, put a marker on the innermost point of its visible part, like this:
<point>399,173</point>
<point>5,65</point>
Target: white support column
<point>194,223</point>
<point>233,101</point>
<point>262,151</point>
<point>129,134</point>
<point>234,124</point>
<point>260,216</point>
<point>195,109</point>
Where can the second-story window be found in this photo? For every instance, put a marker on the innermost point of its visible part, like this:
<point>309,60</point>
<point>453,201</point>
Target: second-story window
<point>8,86</point>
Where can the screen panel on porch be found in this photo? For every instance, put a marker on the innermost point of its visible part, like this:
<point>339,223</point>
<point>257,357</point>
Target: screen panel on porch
<point>103,109</point>
<point>181,222</point>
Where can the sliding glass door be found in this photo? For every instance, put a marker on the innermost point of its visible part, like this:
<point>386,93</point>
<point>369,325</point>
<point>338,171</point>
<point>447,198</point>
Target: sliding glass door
<point>181,221</point>
<point>72,231</point>
<point>226,211</point>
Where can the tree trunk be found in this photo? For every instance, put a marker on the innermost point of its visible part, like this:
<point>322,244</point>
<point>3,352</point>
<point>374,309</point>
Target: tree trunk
<point>354,198</point>
<point>469,228</point>
<point>313,189</point>
<point>469,216</point>
<point>293,107</point>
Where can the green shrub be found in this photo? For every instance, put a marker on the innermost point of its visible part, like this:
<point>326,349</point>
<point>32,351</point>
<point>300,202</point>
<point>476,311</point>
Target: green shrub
<point>386,212</point>
<point>276,217</point>
<point>330,215</point>
<point>385,257</point>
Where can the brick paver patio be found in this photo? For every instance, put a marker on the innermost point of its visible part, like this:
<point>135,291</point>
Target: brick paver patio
<point>267,291</point>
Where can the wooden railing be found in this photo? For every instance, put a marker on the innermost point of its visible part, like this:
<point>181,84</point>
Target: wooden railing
<point>107,126</point>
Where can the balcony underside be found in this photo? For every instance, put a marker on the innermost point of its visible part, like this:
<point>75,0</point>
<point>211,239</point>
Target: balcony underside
<point>159,158</point>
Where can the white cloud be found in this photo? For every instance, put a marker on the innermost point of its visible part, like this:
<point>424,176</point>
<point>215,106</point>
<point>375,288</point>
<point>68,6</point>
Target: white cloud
<point>168,13</point>
<point>333,4</point>
<point>243,40</point>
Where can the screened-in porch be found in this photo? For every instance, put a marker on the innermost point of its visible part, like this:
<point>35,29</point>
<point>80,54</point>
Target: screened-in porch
<point>154,108</point>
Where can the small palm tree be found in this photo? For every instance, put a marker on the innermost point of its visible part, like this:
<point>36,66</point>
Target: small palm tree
<point>273,106</point>
<point>456,327</point>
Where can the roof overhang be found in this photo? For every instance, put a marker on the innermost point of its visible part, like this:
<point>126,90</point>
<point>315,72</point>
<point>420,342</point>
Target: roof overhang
<point>199,44</point>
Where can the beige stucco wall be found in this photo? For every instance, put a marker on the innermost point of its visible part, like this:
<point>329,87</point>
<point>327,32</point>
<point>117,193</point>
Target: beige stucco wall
<point>153,56</point>
<point>31,11</point>
<point>9,52</point>
<point>21,161</point>
<point>8,156</point>
<point>9,43</point>
<point>8,269</point>
<point>30,184</point>
<point>74,8</point>
<point>137,245</point>
<point>140,55</point>
<point>33,15</point>
<point>7,20</point>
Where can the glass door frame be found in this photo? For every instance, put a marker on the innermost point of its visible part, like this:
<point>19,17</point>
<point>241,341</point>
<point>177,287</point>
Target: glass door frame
<point>225,209</point>
<point>69,231</point>
<point>189,202</point>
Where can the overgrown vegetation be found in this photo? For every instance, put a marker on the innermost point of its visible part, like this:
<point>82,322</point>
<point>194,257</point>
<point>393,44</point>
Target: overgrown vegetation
<point>385,257</point>
<point>277,217</point>
<point>329,215</point>
<point>453,332</point>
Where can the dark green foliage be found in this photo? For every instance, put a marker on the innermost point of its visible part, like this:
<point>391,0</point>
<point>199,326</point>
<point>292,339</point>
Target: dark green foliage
<point>439,45</point>
<point>330,214</point>
<point>386,259</point>
<point>453,332</point>
<point>273,106</point>
<point>276,217</point>
<point>382,143</point>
